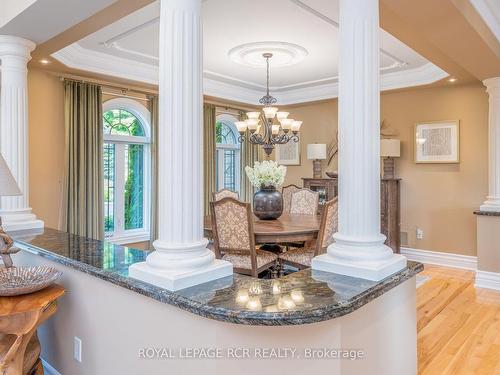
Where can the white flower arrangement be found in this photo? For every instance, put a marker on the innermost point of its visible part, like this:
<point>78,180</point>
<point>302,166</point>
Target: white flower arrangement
<point>266,174</point>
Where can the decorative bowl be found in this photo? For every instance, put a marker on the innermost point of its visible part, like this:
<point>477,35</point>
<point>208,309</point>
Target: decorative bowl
<point>333,174</point>
<point>15,281</point>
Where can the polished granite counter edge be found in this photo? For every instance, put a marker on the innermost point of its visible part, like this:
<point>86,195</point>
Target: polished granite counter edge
<point>297,317</point>
<point>487,213</point>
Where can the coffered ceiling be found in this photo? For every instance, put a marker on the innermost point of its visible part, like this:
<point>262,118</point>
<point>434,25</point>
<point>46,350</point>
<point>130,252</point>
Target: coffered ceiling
<point>302,34</point>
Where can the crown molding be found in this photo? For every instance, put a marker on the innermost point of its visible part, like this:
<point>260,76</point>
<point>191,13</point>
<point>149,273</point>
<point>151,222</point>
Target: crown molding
<point>488,15</point>
<point>225,87</point>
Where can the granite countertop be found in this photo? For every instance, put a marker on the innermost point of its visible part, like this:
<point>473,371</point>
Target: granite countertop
<point>487,213</point>
<point>299,298</point>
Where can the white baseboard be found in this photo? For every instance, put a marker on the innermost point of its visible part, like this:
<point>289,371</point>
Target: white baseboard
<point>49,370</point>
<point>467,262</point>
<point>489,280</point>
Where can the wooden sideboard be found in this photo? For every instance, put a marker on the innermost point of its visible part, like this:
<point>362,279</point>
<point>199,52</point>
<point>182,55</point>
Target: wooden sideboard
<point>390,216</point>
<point>326,187</point>
<point>390,212</point>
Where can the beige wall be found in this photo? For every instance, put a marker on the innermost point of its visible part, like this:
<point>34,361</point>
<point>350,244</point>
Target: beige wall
<point>439,198</point>
<point>46,144</point>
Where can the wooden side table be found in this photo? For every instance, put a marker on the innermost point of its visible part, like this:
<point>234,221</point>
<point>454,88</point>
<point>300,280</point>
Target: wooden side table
<point>20,317</point>
<point>326,187</point>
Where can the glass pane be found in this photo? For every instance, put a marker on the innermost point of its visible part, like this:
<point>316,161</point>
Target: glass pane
<point>230,169</point>
<point>109,187</point>
<point>121,122</point>
<point>134,186</point>
<point>224,133</point>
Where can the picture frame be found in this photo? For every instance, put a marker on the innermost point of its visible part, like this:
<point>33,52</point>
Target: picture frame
<point>288,153</point>
<point>437,142</point>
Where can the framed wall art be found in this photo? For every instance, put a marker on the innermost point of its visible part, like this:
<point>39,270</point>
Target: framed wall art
<point>437,142</point>
<point>288,153</point>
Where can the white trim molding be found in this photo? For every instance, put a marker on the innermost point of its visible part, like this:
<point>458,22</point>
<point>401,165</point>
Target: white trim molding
<point>488,280</point>
<point>466,262</point>
<point>49,369</point>
<point>225,87</point>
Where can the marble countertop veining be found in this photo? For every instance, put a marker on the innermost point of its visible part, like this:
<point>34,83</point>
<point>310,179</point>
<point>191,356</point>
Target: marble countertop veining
<point>302,297</point>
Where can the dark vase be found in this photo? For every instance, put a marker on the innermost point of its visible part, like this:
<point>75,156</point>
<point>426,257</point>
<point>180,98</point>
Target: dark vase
<point>268,203</point>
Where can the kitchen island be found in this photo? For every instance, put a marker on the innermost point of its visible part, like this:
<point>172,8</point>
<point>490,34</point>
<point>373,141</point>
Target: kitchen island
<point>238,323</point>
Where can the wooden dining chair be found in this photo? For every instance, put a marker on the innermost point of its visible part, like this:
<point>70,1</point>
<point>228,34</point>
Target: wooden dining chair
<point>301,257</point>
<point>304,202</point>
<point>224,193</point>
<point>233,234</point>
<point>287,192</point>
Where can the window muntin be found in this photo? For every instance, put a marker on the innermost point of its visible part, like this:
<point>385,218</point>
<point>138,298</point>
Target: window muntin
<point>126,173</point>
<point>227,153</point>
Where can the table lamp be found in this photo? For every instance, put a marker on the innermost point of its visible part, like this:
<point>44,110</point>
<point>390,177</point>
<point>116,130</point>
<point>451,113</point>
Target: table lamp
<point>389,149</point>
<point>8,187</point>
<point>316,152</point>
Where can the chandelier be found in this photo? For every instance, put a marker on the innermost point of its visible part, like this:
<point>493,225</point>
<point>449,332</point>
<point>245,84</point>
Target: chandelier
<point>274,133</point>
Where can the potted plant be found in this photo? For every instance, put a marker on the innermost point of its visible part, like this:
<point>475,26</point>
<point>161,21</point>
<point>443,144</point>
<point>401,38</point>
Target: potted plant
<point>266,176</point>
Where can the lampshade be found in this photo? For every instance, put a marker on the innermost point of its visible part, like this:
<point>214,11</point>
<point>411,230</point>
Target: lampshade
<point>8,185</point>
<point>316,151</point>
<point>270,112</point>
<point>390,147</point>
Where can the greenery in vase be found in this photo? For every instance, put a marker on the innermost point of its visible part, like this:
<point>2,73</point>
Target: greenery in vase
<point>266,174</point>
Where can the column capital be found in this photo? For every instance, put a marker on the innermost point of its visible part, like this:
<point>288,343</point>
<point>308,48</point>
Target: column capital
<point>492,85</point>
<point>16,46</point>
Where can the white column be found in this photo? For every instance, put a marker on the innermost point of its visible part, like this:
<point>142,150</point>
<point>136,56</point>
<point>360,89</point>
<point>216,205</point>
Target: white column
<point>492,202</point>
<point>181,258</point>
<point>359,248</point>
<point>14,55</point>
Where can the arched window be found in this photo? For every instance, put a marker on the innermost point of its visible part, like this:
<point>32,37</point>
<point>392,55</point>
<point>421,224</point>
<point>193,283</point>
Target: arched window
<point>227,152</point>
<point>126,157</point>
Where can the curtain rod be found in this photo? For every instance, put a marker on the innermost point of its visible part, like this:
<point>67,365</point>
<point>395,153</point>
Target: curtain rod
<point>109,85</point>
<point>125,96</point>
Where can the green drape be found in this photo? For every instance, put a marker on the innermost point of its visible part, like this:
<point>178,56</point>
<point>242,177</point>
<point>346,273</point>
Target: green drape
<point>209,155</point>
<point>250,153</point>
<point>83,181</point>
<point>153,109</point>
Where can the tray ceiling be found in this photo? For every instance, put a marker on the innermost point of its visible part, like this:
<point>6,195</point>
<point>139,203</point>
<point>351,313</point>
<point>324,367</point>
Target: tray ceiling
<point>309,25</point>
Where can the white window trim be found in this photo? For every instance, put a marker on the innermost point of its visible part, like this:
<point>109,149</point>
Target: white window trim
<point>229,120</point>
<point>122,236</point>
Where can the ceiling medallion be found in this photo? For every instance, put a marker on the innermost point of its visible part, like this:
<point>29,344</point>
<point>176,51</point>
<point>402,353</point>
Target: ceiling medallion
<point>284,54</point>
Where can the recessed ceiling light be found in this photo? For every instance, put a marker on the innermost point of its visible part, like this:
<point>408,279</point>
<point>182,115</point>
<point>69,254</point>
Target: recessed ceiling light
<point>452,80</point>
<point>44,61</point>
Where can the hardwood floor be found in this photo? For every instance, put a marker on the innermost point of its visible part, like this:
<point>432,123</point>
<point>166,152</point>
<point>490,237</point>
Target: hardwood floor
<point>458,325</point>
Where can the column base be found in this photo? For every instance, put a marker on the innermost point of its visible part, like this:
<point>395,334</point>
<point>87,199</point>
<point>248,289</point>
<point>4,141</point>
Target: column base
<point>179,279</point>
<point>15,220</point>
<point>490,206</point>
<point>375,270</point>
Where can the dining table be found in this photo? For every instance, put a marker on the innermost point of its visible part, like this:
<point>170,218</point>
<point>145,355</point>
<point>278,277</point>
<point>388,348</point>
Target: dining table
<point>286,228</point>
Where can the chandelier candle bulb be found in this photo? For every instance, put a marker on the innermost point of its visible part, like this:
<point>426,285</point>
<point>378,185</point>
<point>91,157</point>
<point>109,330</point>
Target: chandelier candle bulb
<point>241,126</point>
<point>296,126</point>
<point>253,115</point>
<point>286,124</point>
<point>282,115</point>
<point>270,112</point>
<point>272,133</point>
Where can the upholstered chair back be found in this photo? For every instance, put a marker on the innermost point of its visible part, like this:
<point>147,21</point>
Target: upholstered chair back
<point>224,193</point>
<point>304,202</point>
<point>232,224</point>
<point>287,192</point>
<point>328,226</point>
